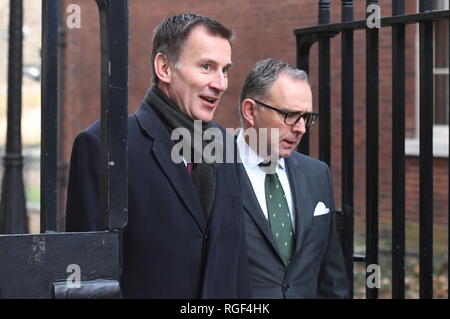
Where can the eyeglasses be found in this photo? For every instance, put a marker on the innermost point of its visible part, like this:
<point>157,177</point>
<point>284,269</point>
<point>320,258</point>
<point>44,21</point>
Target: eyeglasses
<point>291,118</point>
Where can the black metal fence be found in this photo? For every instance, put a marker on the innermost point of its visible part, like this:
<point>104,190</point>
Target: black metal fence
<point>322,34</point>
<point>36,266</point>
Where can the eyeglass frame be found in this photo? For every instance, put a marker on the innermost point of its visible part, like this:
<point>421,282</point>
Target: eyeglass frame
<point>286,114</point>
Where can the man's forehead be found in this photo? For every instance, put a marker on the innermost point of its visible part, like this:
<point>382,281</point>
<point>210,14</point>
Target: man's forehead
<point>292,94</point>
<point>290,88</point>
<point>200,35</point>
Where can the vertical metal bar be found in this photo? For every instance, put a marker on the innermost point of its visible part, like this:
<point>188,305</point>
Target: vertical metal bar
<point>426,155</point>
<point>398,7</point>
<point>448,114</point>
<point>304,45</point>
<point>303,49</point>
<point>62,166</point>
<point>398,154</point>
<point>347,125</point>
<point>118,115</point>
<point>324,86</point>
<point>49,115</point>
<point>104,70</point>
<point>372,59</point>
<point>13,215</point>
<point>114,153</point>
<point>425,5</point>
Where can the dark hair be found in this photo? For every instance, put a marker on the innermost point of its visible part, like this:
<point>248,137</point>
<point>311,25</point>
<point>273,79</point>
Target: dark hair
<point>171,34</point>
<point>261,78</point>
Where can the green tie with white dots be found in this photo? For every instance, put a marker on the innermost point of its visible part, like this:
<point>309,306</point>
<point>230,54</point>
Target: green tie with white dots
<point>279,217</point>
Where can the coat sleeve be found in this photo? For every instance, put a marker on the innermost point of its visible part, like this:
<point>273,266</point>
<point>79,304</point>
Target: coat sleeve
<point>333,282</point>
<point>82,209</point>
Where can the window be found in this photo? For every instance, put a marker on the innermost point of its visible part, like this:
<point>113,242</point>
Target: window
<point>441,88</point>
<point>440,70</point>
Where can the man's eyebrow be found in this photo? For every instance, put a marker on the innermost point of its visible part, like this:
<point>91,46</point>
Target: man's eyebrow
<point>229,66</point>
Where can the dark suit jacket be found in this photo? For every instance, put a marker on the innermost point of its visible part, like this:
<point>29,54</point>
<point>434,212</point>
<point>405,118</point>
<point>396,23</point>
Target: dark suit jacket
<point>170,249</point>
<point>317,267</point>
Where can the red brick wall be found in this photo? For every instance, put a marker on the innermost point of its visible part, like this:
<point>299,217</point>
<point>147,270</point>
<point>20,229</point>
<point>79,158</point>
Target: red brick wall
<point>440,188</point>
<point>263,29</point>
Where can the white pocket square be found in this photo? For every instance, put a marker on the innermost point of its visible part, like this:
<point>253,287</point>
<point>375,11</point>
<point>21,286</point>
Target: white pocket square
<point>321,209</point>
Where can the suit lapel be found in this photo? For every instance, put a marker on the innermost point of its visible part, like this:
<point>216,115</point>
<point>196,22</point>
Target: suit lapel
<point>302,201</point>
<point>252,207</point>
<point>176,173</point>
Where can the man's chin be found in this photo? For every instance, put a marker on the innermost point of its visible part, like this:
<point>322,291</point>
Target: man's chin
<point>286,152</point>
<point>204,116</point>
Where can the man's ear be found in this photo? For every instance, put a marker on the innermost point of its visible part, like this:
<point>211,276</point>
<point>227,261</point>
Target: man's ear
<point>162,67</point>
<point>248,107</point>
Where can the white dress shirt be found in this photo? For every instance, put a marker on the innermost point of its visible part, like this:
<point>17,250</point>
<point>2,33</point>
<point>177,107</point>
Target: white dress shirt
<point>257,176</point>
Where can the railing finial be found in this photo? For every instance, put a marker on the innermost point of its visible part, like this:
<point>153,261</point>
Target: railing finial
<point>324,4</point>
<point>398,7</point>
<point>347,3</point>
<point>347,10</point>
<point>324,11</point>
<point>425,5</point>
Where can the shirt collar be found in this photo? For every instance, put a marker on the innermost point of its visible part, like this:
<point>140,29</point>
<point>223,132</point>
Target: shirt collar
<point>249,157</point>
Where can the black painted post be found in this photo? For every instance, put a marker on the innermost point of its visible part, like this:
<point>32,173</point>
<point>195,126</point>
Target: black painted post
<point>49,117</point>
<point>398,154</point>
<point>304,44</point>
<point>372,60</point>
<point>114,110</point>
<point>347,125</point>
<point>426,154</point>
<point>13,214</point>
<point>324,86</point>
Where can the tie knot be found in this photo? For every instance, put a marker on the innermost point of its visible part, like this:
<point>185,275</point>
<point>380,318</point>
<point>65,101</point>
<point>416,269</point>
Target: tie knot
<point>269,167</point>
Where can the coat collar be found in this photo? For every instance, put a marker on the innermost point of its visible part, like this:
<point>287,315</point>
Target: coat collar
<point>302,200</point>
<point>162,145</point>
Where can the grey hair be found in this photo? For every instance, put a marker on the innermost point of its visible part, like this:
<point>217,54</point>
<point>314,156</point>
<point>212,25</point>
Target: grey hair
<point>171,34</point>
<point>261,78</point>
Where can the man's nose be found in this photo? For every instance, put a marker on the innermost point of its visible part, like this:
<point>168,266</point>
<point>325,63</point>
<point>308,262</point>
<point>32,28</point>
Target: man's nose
<point>219,82</point>
<point>299,127</point>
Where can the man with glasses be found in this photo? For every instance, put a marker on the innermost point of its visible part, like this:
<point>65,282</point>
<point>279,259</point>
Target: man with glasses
<point>292,243</point>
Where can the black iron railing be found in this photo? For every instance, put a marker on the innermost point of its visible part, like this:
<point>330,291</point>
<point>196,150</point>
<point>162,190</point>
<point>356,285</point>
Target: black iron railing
<point>322,33</point>
<point>49,116</point>
<point>348,143</point>
<point>398,154</point>
<point>35,266</point>
<point>13,216</point>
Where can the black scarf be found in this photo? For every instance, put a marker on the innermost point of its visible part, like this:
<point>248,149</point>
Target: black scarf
<point>203,174</point>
